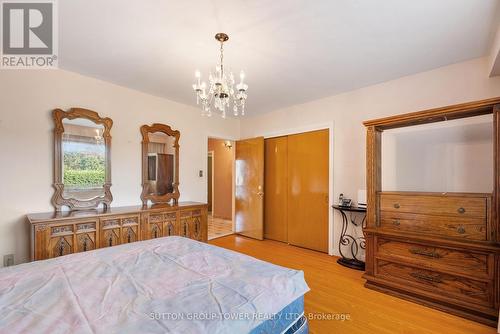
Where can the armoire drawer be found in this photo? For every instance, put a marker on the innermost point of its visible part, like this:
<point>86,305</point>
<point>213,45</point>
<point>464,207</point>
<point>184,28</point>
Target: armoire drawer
<point>454,227</point>
<point>464,262</point>
<point>442,284</point>
<point>455,206</point>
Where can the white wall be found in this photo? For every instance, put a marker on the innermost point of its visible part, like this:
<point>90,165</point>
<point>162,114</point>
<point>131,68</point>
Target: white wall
<point>462,82</point>
<point>26,143</point>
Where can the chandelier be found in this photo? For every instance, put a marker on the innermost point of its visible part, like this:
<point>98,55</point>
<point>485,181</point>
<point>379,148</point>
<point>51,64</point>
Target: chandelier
<point>221,93</point>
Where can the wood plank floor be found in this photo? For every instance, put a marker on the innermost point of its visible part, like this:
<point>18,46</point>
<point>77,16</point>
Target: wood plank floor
<point>336,289</point>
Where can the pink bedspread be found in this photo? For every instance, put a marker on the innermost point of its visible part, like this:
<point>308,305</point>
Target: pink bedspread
<point>166,285</point>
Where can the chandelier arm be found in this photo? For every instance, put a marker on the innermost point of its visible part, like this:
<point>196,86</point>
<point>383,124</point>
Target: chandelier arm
<point>221,59</point>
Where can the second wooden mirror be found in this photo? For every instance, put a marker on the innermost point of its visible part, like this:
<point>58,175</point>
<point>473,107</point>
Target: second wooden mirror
<point>160,164</point>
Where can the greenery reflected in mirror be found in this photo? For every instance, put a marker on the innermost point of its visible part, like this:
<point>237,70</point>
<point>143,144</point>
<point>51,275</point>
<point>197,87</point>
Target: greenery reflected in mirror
<point>82,167</point>
<point>84,159</point>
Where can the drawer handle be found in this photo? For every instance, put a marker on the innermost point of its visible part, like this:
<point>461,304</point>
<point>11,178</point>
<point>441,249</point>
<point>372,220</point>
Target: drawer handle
<point>461,230</point>
<point>427,278</point>
<point>461,210</point>
<point>424,252</point>
<point>396,222</point>
<point>396,205</point>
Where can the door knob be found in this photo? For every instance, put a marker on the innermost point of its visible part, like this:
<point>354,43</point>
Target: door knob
<point>259,191</point>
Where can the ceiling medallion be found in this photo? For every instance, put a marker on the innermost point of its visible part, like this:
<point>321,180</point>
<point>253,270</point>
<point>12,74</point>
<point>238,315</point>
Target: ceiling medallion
<point>221,93</point>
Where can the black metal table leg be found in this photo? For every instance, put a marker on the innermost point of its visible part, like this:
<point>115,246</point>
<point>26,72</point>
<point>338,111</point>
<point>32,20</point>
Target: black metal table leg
<point>347,240</point>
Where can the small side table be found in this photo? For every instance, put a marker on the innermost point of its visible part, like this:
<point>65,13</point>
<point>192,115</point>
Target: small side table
<point>349,214</point>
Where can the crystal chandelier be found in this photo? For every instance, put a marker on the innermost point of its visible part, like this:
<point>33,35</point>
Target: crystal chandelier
<point>221,93</point>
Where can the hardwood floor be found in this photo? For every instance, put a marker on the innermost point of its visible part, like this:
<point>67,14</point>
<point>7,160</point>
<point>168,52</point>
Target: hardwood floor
<point>336,289</point>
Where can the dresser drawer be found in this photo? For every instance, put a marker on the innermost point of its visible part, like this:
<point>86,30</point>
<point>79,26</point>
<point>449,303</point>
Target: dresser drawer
<point>191,213</point>
<point>443,285</point>
<point>446,226</point>
<point>443,259</point>
<point>455,206</point>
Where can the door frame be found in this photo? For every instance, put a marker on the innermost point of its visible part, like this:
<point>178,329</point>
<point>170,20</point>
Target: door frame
<point>233,181</point>
<point>211,154</point>
<point>331,144</point>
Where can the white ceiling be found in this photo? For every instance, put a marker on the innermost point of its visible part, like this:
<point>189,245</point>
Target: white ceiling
<point>293,51</point>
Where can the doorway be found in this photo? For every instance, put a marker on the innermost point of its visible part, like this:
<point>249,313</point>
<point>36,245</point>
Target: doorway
<point>220,165</point>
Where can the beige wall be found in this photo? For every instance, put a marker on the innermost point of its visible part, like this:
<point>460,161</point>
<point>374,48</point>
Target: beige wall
<point>462,82</point>
<point>26,100</point>
<point>223,178</point>
<point>494,58</point>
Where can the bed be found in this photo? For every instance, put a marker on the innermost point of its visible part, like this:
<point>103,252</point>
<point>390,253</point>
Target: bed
<point>165,285</point>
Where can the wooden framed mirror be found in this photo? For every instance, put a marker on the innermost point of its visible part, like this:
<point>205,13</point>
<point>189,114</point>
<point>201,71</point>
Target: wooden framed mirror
<point>82,159</point>
<point>160,164</point>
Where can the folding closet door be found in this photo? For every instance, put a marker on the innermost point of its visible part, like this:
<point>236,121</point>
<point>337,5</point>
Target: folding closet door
<point>308,166</point>
<point>276,186</point>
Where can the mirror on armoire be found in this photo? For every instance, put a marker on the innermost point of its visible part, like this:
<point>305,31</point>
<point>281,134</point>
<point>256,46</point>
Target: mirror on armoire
<point>160,164</point>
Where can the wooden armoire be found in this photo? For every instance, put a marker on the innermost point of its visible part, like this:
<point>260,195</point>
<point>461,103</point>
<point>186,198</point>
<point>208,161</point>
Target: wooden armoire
<point>438,249</point>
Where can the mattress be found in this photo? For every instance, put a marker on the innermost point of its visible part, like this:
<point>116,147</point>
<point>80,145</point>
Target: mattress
<point>165,285</point>
<point>290,320</point>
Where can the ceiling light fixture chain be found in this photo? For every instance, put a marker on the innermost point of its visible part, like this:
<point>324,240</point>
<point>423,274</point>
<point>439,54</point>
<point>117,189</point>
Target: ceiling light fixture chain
<point>221,91</point>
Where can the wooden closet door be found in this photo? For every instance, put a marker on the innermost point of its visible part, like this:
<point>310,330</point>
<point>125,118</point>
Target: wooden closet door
<point>276,185</point>
<point>308,168</point>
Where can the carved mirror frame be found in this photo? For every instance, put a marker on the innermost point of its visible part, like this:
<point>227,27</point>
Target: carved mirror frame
<point>58,199</point>
<point>145,197</point>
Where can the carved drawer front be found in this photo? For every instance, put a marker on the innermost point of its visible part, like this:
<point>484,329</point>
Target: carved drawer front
<point>86,227</point>
<point>170,228</point>
<point>191,213</point>
<point>129,233</point>
<point>110,223</point>
<point>195,228</point>
<point>443,259</point>
<point>186,213</point>
<point>455,206</point>
<point>170,216</point>
<point>185,227</point>
<point>60,245</point>
<point>155,230</point>
<point>134,220</point>
<point>155,218</point>
<point>463,228</point>
<point>85,241</point>
<point>61,230</point>
<point>110,237</point>
<point>443,285</point>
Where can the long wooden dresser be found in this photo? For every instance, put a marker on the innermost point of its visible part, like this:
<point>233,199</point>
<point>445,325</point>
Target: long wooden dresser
<point>438,249</point>
<point>55,234</point>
